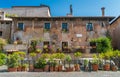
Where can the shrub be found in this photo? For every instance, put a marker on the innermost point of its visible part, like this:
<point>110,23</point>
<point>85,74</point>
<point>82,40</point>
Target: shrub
<point>12,60</point>
<point>45,56</point>
<point>32,54</point>
<point>77,54</point>
<point>68,58</point>
<point>40,63</point>
<point>2,59</point>
<point>103,44</point>
<point>60,56</point>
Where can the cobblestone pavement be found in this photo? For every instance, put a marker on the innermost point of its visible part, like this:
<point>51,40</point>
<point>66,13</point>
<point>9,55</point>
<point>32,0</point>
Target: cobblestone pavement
<point>3,73</point>
<point>60,74</point>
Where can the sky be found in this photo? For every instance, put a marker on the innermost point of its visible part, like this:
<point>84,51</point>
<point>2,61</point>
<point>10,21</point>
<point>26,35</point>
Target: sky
<point>61,7</point>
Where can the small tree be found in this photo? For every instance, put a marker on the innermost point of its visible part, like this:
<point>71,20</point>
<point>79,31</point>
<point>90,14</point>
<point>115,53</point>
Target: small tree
<point>2,43</point>
<point>68,59</point>
<point>77,55</point>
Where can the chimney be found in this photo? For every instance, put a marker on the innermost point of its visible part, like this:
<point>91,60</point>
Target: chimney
<point>103,11</point>
<point>71,11</point>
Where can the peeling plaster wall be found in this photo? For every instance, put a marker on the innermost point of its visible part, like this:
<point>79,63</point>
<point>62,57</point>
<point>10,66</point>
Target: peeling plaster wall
<point>77,26</point>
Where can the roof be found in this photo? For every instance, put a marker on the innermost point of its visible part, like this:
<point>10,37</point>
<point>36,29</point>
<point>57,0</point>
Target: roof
<point>115,19</point>
<point>41,6</point>
<point>74,17</point>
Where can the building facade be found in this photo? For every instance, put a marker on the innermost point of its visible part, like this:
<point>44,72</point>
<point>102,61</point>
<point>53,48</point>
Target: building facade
<point>62,32</point>
<point>19,11</point>
<point>35,22</point>
<point>5,26</point>
<point>114,29</point>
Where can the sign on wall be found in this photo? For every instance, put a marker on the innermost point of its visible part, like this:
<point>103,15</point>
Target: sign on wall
<point>78,35</point>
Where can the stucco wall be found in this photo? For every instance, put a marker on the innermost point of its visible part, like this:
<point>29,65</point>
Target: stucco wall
<point>77,26</point>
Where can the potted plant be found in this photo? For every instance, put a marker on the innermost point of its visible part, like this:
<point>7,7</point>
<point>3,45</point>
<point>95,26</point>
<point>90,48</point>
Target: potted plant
<point>95,63</point>
<point>60,57</point>
<point>77,66</point>
<point>114,68</point>
<point>54,62</point>
<point>19,68</point>
<point>107,56</point>
<point>12,62</point>
<point>39,65</point>
<point>46,56</point>
<point>86,64</point>
<point>24,67</point>
<point>32,55</point>
<point>68,59</point>
<point>22,55</point>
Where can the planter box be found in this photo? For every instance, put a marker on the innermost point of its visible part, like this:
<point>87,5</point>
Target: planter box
<point>69,69</point>
<point>38,70</point>
<point>12,69</point>
<point>46,68</point>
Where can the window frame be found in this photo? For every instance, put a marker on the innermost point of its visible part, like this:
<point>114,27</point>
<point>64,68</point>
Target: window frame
<point>62,27</point>
<point>47,30</point>
<point>87,27</point>
<point>23,26</point>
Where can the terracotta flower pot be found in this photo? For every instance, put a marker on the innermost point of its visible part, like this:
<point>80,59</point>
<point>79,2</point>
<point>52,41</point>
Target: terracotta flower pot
<point>38,70</point>
<point>60,68</point>
<point>51,68</point>
<point>107,67</point>
<point>56,68</point>
<point>19,68</point>
<point>46,68</point>
<point>114,68</point>
<point>31,67</point>
<point>95,67</point>
<point>12,69</point>
<point>69,69</point>
<point>77,67</point>
<point>24,69</point>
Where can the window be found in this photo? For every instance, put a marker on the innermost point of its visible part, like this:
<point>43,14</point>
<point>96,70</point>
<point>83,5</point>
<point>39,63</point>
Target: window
<point>0,33</point>
<point>65,46</point>
<point>7,22</point>
<point>20,26</point>
<point>47,27</point>
<point>2,22</point>
<point>64,27</point>
<point>89,27</point>
<point>46,47</point>
<point>102,24</point>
